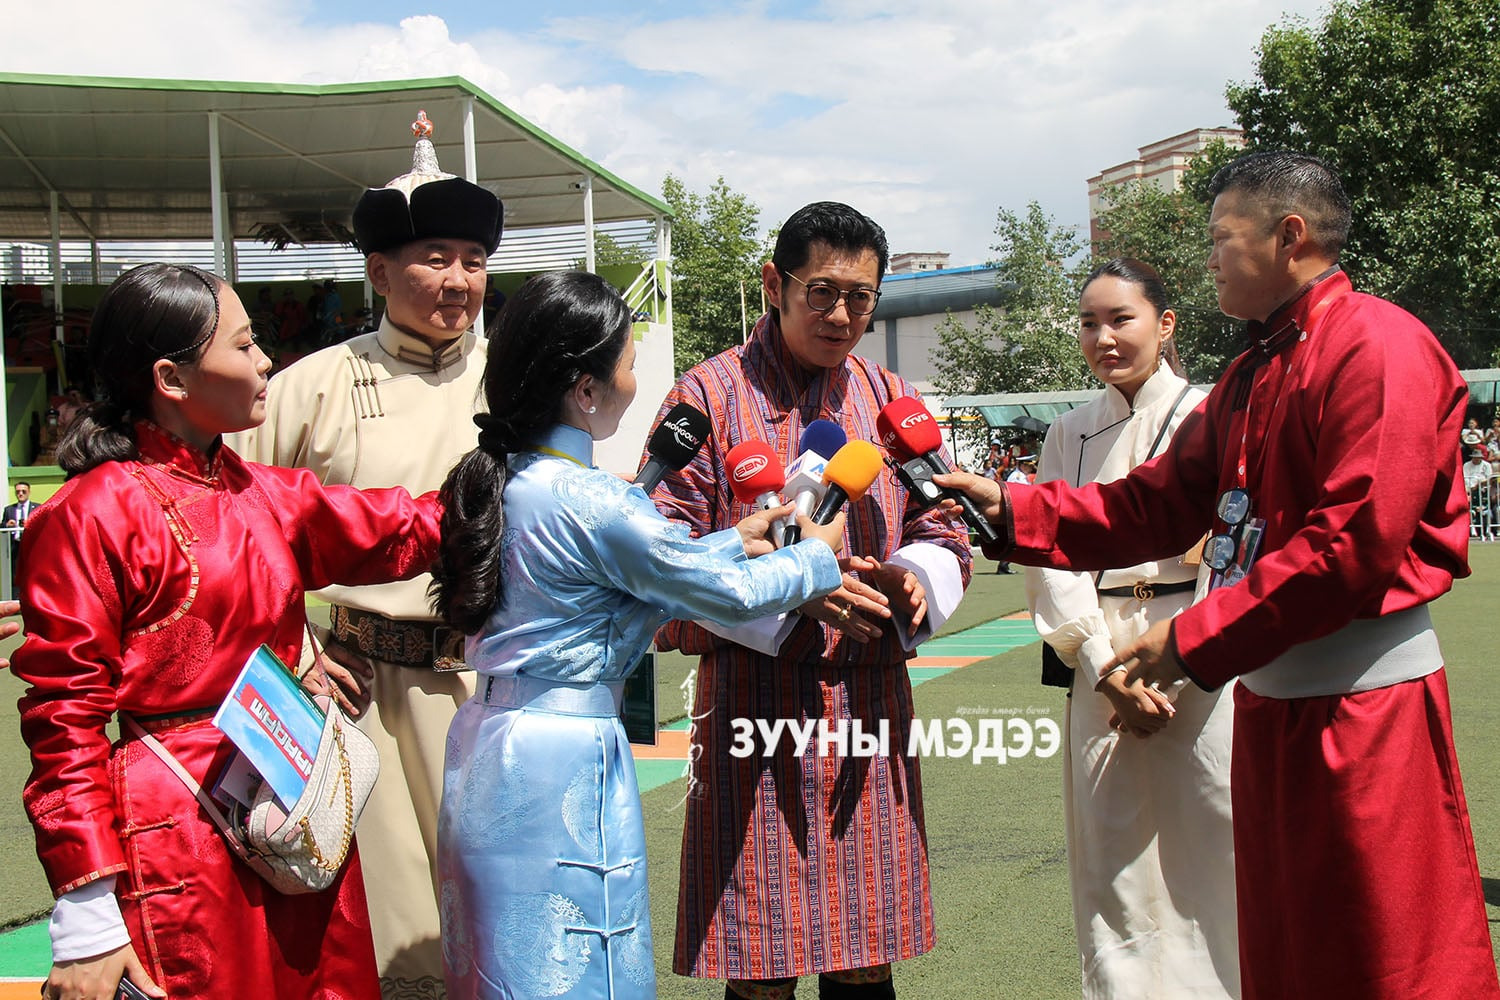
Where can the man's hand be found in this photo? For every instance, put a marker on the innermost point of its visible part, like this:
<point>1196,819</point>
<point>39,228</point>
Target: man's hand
<point>1151,659</point>
<point>907,595</point>
<point>988,497</point>
<point>351,678</point>
<point>850,608</point>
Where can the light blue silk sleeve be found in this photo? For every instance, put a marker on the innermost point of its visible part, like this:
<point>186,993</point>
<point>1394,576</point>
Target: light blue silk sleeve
<point>658,562</point>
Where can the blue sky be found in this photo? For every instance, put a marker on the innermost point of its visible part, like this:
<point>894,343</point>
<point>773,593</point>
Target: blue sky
<point>929,115</point>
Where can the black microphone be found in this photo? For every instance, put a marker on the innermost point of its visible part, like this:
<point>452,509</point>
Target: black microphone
<point>678,437</point>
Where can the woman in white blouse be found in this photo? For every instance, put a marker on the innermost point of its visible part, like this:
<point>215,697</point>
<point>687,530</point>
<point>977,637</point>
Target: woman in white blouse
<point>1146,779</point>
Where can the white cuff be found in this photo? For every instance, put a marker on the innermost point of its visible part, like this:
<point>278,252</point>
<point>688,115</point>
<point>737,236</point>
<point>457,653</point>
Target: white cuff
<point>1094,653</point>
<point>938,572</point>
<point>86,922</point>
<point>764,635</point>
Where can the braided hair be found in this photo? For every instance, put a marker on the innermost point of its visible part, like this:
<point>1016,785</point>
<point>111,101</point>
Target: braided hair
<point>559,327</point>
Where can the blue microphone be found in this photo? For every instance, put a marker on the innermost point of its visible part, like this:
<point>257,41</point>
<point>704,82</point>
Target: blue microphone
<point>821,439</point>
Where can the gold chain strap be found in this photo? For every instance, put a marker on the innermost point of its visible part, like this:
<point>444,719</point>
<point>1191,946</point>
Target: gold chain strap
<point>307,835</point>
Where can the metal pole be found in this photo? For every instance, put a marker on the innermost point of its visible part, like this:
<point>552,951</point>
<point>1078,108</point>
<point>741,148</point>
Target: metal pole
<point>471,156</point>
<point>471,174</point>
<point>57,272</point>
<point>5,571</point>
<point>216,195</point>
<point>588,224</point>
<point>664,238</point>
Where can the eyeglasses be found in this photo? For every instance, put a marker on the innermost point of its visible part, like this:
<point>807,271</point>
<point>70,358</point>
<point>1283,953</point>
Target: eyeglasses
<point>822,297</point>
<point>1234,510</point>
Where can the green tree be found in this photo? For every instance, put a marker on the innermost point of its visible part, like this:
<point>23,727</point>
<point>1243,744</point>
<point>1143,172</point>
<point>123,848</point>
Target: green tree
<point>716,258</point>
<point>1402,98</point>
<point>1031,345</point>
<point>609,251</point>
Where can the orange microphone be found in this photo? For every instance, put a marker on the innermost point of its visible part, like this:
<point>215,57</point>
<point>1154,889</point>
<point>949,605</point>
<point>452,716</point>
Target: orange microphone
<point>850,473</point>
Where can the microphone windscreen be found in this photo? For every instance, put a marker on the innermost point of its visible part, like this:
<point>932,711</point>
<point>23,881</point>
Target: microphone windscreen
<point>853,468</point>
<point>754,470</point>
<point>907,429</point>
<point>822,437</point>
<point>679,436</point>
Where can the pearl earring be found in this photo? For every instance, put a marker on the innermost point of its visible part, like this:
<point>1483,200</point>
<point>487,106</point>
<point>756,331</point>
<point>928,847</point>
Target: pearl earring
<point>592,409</point>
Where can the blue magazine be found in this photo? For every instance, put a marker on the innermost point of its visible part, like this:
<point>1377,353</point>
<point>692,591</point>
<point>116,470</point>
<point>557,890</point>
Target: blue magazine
<point>274,723</point>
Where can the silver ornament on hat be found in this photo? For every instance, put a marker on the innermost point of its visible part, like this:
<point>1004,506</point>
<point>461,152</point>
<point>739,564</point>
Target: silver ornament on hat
<point>424,161</point>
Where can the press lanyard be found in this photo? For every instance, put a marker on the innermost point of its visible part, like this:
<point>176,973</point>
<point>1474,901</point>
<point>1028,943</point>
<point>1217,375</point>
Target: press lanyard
<point>560,454</point>
<point>1313,316</point>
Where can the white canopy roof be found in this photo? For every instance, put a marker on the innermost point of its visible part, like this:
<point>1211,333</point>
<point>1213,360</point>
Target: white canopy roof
<point>130,159</point>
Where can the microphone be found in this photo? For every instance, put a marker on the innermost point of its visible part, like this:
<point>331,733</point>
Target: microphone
<point>911,435</point>
<point>804,477</point>
<point>755,474</point>
<point>678,437</point>
<point>850,473</point>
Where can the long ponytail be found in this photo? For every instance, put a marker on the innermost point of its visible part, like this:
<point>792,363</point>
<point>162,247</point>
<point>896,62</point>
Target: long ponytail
<point>559,327</point>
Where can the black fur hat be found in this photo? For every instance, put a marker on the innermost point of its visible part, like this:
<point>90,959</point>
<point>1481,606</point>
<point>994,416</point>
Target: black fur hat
<point>426,204</point>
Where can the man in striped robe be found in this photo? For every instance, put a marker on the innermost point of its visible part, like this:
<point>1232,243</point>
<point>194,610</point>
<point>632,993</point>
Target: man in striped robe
<point>810,863</point>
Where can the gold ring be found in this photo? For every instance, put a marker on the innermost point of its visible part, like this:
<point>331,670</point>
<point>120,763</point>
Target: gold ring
<point>844,613</point>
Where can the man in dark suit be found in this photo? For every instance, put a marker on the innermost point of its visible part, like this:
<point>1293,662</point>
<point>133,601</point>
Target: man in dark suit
<point>15,516</point>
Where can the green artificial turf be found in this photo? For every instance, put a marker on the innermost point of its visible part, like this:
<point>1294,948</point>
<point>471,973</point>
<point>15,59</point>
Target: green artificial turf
<point>994,831</point>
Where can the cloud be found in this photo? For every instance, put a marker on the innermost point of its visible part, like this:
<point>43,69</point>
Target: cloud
<point>927,114</point>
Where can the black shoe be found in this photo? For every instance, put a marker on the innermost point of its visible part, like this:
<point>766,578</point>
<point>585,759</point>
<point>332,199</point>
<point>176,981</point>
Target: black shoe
<point>832,989</point>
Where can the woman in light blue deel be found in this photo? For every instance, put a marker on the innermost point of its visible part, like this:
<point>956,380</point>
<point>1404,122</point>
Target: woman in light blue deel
<point>561,574</point>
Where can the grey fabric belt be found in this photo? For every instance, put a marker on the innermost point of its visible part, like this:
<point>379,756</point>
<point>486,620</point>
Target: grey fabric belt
<point>556,697</point>
<point>1366,654</point>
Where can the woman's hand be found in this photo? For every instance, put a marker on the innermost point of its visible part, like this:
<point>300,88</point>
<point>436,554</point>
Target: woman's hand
<point>988,495</point>
<point>755,530</point>
<point>7,629</point>
<point>1139,710</point>
<point>830,534</point>
<point>99,977</point>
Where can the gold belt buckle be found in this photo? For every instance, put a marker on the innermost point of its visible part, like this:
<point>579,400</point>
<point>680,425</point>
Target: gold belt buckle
<point>447,650</point>
<point>1144,591</point>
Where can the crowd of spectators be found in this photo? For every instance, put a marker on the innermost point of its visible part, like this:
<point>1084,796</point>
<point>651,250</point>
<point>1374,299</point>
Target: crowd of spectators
<point>296,325</point>
<point>1481,452</point>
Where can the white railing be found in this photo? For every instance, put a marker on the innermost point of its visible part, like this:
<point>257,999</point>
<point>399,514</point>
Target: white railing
<point>521,250</point>
<point>646,295</point>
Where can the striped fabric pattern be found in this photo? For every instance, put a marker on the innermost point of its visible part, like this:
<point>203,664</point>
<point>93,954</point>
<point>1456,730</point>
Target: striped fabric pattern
<point>798,865</point>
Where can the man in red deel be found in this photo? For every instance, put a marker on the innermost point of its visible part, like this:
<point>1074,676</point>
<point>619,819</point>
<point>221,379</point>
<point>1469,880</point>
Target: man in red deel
<point>1324,467</point>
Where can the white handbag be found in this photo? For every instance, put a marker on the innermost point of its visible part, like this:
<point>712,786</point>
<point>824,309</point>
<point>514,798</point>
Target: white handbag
<point>301,850</point>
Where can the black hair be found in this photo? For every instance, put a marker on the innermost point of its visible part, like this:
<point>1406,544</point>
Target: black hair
<point>1144,277</point>
<point>1281,183</point>
<point>835,224</point>
<point>559,327</point>
<point>150,312</point>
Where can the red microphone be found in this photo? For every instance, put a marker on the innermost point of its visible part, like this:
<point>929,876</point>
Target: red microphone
<point>911,435</point>
<point>755,474</point>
